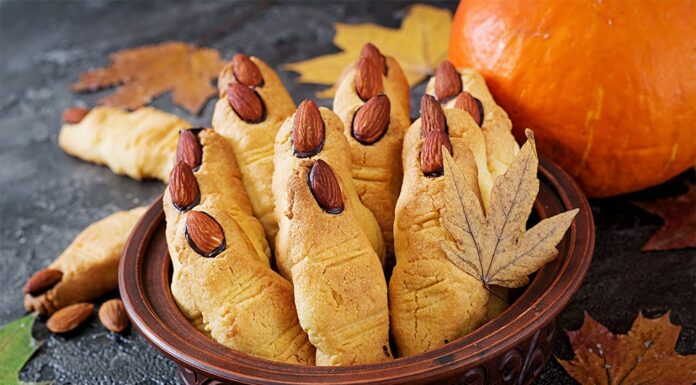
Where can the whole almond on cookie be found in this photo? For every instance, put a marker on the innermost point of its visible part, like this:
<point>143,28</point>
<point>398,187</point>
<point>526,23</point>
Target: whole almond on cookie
<point>74,115</point>
<point>188,149</point>
<point>112,315</point>
<point>465,101</point>
<point>246,71</point>
<point>325,188</point>
<point>369,71</point>
<point>183,187</point>
<point>431,161</point>
<point>372,120</point>
<point>42,281</point>
<point>448,82</point>
<point>204,234</point>
<point>307,130</point>
<point>245,103</point>
<point>370,51</point>
<point>69,317</point>
<point>432,116</point>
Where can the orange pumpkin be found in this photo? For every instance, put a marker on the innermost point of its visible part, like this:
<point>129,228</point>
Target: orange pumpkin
<point>609,87</point>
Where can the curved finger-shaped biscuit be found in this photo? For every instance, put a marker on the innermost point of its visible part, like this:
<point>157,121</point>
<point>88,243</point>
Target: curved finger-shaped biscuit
<point>88,268</point>
<point>316,133</point>
<point>340,290</point>
<point>139,144</point>
<point>375,129</point>
<point>253,141</point>
<point>222,282</point>
<point>432,302</point>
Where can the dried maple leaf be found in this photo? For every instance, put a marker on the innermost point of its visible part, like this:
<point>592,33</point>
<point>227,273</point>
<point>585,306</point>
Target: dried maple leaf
<point>679,214</point>
<point>494,247</point>
<point>643,356</point>
<point>144,73</point>
<point>419,46</point>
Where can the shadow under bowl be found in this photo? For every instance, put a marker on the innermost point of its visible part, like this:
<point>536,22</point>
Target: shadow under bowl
<point>510,349</point>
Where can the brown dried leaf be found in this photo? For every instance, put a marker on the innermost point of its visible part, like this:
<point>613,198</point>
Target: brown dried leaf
<point>144,73</point>
<point>679,214</point>
<point>643,356</point>
<point>495,248</point>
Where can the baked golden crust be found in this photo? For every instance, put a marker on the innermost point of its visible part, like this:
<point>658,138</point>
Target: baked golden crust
<point>377,172</point>
<point>336,153</point>
<point>340,290</point>
<point>139,144</point>
<point>501,149</point>
<point>501,146</point>
<point>253,142</point>
<point>89,265</point>
<point>234,296</point>
<point>432,302</point>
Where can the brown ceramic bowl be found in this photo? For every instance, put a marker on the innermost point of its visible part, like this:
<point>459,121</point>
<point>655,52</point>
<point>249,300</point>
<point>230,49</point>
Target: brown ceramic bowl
<point>510,349</point>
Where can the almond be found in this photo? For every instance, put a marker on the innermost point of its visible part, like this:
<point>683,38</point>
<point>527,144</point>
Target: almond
<point>370,51</point>
<point>307,130</point>
<point>431,162</point>
<point>183,187</point>
<point>112,315</point>
<point>74,115</point>
<point>465,101</point>
<point>188,149</point>
<point>368,76</point>
<point>448,82</point>
<point>245,102</point>
<point>42,281</point>
<point>372,120</point>
<point>69,317</point>
<point>432,116</point>
<point>325,188</point>
<point>246,71</point>
<point>204,234</point>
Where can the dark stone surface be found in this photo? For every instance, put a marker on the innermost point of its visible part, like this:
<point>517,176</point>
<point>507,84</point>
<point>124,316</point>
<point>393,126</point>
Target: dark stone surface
<point>47,197</point>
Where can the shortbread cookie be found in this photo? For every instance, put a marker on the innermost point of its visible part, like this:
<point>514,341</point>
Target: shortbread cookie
<point>432,302</point>
<point>316,133</point>
<point>87,269</point>
<point>222,282</point>
<point>340,290</point>
<point>375,128</point>
<point>139,144</point>
<point>466,89</point>
<point>252,140</point>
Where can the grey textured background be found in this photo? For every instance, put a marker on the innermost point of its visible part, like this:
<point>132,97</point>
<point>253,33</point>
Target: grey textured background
<point>47,197</point>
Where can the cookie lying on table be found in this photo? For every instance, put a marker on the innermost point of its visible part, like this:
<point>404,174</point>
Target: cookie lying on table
<point>222,279</point>
<point>253,104</point>
<point>340,290</point>
<point>315,133</point>
<point>139,144</point>
<point>432,302</point>
<point>87,269</point>
<point>375,119</point>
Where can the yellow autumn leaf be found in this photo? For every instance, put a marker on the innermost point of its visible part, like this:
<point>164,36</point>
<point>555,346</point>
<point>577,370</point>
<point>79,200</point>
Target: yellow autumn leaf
<point>494,247</point>
<point>419,46</point>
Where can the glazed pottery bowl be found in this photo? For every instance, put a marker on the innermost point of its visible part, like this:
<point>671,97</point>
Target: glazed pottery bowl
<point>510,349</point>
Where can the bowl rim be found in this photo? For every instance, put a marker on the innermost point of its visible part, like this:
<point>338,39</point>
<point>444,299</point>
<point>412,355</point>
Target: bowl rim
<point>494,338</point>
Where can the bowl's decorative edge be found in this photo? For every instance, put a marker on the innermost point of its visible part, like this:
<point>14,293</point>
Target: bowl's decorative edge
<point>512,354</point>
